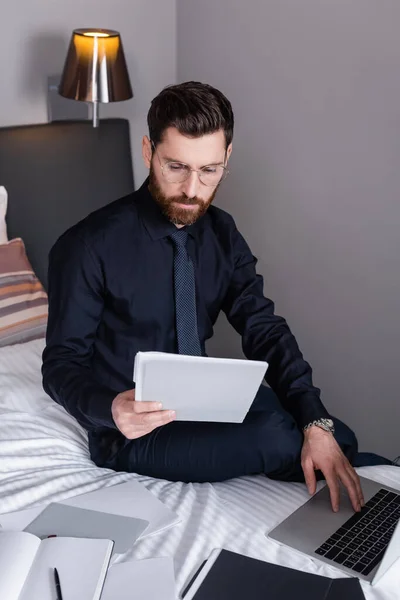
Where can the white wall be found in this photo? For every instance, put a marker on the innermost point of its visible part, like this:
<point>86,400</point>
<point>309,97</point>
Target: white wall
<point>315,181</point>
<point>35,37</point>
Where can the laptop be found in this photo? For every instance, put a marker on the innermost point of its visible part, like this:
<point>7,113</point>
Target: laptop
<point>364,545</point>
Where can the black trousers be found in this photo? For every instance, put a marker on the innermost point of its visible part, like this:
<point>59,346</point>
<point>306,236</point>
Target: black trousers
<point>268,441</point>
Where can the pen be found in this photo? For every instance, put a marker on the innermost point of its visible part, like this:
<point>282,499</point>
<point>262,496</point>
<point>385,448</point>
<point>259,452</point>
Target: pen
<point>58,585</point>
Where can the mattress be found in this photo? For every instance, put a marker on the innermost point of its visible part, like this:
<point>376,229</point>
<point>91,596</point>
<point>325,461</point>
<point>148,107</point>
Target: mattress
<point>44,457</point>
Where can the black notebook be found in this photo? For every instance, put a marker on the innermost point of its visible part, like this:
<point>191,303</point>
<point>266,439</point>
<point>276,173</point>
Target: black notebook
<point>230,576</point>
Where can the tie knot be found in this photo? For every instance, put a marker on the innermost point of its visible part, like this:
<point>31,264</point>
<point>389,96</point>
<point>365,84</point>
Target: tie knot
<point>179,237</point>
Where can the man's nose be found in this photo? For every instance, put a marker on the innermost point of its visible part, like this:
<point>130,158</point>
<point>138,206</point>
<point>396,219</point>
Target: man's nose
<point>191,185</point>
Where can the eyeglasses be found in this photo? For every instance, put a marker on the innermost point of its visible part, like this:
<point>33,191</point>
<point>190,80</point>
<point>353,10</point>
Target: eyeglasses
<point>176,172</point>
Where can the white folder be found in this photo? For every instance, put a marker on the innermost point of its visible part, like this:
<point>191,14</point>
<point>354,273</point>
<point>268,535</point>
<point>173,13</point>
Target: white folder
<point>198,388</point>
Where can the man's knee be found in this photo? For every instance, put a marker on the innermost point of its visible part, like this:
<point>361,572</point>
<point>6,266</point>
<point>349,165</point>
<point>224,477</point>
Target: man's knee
<point>279,441</point>
<point>289,443</point>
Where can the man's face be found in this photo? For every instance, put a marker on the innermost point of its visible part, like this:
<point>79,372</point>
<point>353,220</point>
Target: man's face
<point>185,202</point>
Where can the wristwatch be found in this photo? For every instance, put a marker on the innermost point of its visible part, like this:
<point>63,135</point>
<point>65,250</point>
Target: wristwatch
<point>326,424</point>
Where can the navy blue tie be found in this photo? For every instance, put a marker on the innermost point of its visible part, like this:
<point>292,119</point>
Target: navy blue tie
<point>185,297</point>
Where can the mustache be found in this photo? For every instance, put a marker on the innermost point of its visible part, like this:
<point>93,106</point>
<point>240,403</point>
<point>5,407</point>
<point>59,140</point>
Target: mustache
<point>185,200</point>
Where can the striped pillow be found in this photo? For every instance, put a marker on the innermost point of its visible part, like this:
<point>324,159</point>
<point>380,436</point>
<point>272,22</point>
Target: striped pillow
<point>3,212</point>
<point>23,301</point>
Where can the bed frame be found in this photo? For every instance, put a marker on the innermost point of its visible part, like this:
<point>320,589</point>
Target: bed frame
<point>56,174</point>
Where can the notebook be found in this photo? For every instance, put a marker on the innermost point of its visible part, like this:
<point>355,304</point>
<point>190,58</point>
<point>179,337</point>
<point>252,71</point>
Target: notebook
<point>63,520</point>
<point>27,566</point>
<point>129,499</point>
<point>230,576</point>
<point>198,388</point>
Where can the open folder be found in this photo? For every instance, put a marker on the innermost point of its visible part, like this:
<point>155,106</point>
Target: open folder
<point>198,388</point>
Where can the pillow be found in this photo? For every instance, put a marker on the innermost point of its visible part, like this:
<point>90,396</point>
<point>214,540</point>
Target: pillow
<point>23,301</point>
<point>3,212</point>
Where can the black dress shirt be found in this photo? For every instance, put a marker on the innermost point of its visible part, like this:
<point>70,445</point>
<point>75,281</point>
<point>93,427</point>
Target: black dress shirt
<point>111,294</point>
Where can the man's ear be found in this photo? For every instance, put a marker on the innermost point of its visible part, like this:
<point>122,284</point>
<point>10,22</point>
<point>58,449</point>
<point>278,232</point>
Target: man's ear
<point>146,151</point>
<point>228,151</point>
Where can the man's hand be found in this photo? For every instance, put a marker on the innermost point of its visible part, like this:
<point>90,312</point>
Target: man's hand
<point>321,451</point>
<point>135,419</point>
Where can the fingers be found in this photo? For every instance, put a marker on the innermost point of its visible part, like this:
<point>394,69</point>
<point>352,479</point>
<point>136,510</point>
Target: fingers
<point>351,481</point>
<point>137,425</point>
<point>334,489</point>
<point>351,488</point>
<point>149,415</point>
<point>358,485</point>
<point>155,419</point>
<point>144,407</point>
<point>309,476</point>
<point>136,419</point>
<point>321,451</point>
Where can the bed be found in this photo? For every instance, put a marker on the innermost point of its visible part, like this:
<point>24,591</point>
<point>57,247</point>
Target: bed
<point>43,451</point>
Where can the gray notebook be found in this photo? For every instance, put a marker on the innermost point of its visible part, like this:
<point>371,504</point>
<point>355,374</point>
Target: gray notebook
<point>70,521</point>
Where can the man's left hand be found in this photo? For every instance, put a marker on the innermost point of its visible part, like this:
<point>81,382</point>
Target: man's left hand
<point>322,452</point>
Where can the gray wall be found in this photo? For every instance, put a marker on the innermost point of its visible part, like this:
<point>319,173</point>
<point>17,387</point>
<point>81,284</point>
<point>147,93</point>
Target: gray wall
<point>315,181</point>
<point>35,37</point>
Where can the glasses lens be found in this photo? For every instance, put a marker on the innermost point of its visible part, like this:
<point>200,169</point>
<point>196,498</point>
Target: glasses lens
<point>212,175</point>
<point>176,172</point>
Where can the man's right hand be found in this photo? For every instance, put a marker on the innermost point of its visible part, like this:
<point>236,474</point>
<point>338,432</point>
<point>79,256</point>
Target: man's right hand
<point>135,419</point>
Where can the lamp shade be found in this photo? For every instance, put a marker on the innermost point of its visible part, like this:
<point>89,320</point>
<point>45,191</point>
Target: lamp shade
<point>95,68</point>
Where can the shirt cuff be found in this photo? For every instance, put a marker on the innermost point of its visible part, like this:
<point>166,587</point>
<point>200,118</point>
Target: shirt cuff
<point>306,408</point>
<point>99,413</point>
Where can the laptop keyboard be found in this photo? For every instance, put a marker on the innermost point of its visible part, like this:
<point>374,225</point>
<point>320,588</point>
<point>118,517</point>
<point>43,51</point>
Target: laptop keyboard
<point>361,542</point>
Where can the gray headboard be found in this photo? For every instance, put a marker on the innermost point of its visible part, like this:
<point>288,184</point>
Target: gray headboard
<point>56,174</point>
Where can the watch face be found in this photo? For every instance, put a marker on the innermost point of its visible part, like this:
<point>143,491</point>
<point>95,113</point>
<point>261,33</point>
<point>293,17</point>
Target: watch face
<point>328,425</point>
<point>325,424</point>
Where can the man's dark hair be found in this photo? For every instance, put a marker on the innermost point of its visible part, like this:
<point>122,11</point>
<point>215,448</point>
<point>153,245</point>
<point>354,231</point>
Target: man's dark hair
<point>194,108</point>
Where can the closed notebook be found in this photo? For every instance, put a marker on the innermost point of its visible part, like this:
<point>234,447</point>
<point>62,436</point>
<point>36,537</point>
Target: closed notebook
<point>63,520</point>
<point>230,576</point>
<point>198,388</point>
<point>27,566</point>
<point>129,499</point>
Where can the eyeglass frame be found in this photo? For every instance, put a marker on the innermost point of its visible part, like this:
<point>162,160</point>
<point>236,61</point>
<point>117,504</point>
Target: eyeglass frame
<point>198,171</point>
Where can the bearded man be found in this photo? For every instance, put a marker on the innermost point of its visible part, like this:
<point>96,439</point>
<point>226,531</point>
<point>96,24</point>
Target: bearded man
<point>152,271</point>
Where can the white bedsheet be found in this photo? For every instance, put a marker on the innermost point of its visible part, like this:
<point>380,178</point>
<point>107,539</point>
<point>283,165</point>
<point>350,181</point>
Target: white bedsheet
<point>44,457</point>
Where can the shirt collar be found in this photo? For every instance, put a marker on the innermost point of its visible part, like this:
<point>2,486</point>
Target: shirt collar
<point>156,223</point>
